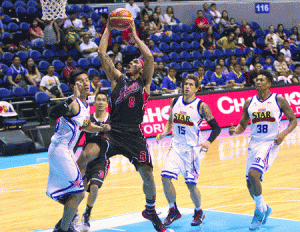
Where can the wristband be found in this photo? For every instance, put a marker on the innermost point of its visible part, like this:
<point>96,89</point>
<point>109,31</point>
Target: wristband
<point>69,101</point>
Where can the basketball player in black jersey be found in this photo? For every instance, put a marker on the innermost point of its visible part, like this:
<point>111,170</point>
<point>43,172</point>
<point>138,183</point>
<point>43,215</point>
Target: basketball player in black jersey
<point>128,99</point>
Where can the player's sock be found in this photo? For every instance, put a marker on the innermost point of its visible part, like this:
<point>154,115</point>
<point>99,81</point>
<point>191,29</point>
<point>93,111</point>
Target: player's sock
<point>200,208</point>
<point>150,205</point>
<point>88,210</point>
<point>265,206</point>
<point>172,205</point>
<point>259,203</point>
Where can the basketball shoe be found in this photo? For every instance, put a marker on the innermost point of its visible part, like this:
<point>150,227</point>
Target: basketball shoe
<point>153,217</point>
<point>173,215</point>
<point>267,214</point>
<point>198,218</point>
<point>257,220</point>
<point>85,222</point>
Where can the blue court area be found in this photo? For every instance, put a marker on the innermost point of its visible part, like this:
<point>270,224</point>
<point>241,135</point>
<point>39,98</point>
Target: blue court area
<point>213,222</point>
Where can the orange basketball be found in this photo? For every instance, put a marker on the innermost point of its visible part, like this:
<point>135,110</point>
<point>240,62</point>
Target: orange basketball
<point>120,19</point>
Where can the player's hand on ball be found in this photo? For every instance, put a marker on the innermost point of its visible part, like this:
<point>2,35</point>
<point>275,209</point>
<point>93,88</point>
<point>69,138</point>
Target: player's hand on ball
<point>133,29</point>
<point>232,129</point>
<point>159,137</point>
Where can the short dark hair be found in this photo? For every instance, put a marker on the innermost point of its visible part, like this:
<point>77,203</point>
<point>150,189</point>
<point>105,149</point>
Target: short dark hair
<point>236,64</point>
<point>72,12</point>
<point>219,66</point>
<point>74,74</point>
<point>286,41</point>
<point>280,54</point>
<point>213,4</point>
<point>50,66</point>
<point>104,15</point>
<point>266,73</point>
<point>172,68</point>
<point>104,93</point>
<point>192,77</point>
<point>199,11</point>
<point>297,66</point>
<point>200,66</point>
<point>96,75</point>
<point>15,56</point>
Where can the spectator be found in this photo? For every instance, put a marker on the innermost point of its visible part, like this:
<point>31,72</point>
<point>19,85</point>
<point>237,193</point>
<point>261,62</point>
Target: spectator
<point>120,67</point>
<point>294,37</point>
<point>157,25</point>
<point>224,26</point>
<point>280,33</point>
<point>268,65</point>
<point>169,16</point>
<point>147,9</point>
<point>215,13</point>
<point>33,71</point>
<point>282,71</point>
<point>88,48</point>
<point>254,73</point>
<point>8,45</point>
<point>249,38</point>
<point>201,23</point>
<point>36,32</point>
<point>208,42</point>
<point>161,67</point>
<point>169,83</point>
<point>219,79</point>
<point>255,59</point>
<point>239,40</point>
<point>103,20</point>
<point>158,75</point>
<point>154,49</point>
<point>112,56</point>
<point>133,8</point>
<point>296,76</point>
<point>233,60</point>
<point>83,20</point>
<point>95,84</point>
<point>224,68</point>
<point>142,31</point>
<point>116,50</point>
<point>287,53</point>
<point>154,88</point>
<point>157,10</point>
<point>91,30</point>
<point>227,42</point>
<point>50,84</point>
<point>68,68</point>
<point>203,79</point>
<point>244,67</point>
<point>244,25</point>
<point>207,15</point>
<point>17,74</point>
<point>127,40</point>
<point>51,34</point>
<point>272,40</point>
<point>1,24</point>
<point>2,73</point>
<point>74,24</point>
<point>236,77</point>
<point>148,26</point>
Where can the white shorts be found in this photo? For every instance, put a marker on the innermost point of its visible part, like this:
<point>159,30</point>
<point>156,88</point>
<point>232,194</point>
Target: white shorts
<point>260,156</point>
<point>185,160</point>
<point>64,176</point>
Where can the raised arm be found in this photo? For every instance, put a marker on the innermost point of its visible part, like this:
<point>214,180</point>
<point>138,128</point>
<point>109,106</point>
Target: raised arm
<point>239,129</point>
<point>108,66</point>
<point>289,113</point>
<point>148,69</point>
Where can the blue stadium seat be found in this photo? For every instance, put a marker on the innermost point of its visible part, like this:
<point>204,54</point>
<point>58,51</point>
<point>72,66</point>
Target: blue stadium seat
<point>174,46</point>
<point>19,92</point>
<point>185,46</point>
<point>31,11</point>
<point>208,74</point>
<point>20,4</point>
<point>7,5</point>
<point>175,28</point>
<point>61,54</point>
<point>165,58</point>
<point>83,14</point>
<point>247,50</point>
<point>164,38</point>
<point>257,51</point>
<point>208,64</point>
<point>185,56</point>
<point>217,36</point>
<point>196,36</point>
<point>255,26</point>
<point>7,19</point>
<point>36,55</point>
<point>96,63</point>
<point>175,37</point>
<point>155,38</point>
<point>32,4</point>
<point>39,45</point>
<point>186,66</point>
<point>94,16</point>
<point>84,63</point>
<point>6,34</point>
<point>119,39</point>
<point>65,88</point>
<point>4,68</point>
<point>24,26</point>
<point>207,55</point>
<point>32,90</point>
<point>249,60</point>
<point>196,55</point>
<point>48,54</point>
<point>7,57</point>
<point>193,27</point>
<point>97,41</point>
<point>292,67</point>
<point>43,65</point>
<point>105,83</point>
<point>75,54</point>
<point>228,52</point>
<point>266,31</point>
<point>259,34</point>
<point>185,36</point>
<point>5,93</point>
<point>238,52</point>
<point>76,8</point>
<point>195,45</point>
<point>92,71</point>
<point>218,53</point>
<point>165,48</point>
<point>184,74</point>
<point>174,56</point>
<point>114,32</point>
<point>86,8</point>
<point>238,24</point>
<point>131,49</point>
<point>58,65</point>
<point>13,27</point>
<point>185,28</point>
<point>227,62</point>
<point>260,42</point>
<point>23,55</point>
<point>175,65</point>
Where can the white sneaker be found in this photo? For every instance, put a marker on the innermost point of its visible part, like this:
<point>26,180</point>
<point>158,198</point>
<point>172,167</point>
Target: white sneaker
<point>85,223</point>
<point>257,220</point>
<point>75,221</point>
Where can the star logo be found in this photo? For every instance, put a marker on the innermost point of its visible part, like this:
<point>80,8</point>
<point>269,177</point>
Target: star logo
<point>77,183</point>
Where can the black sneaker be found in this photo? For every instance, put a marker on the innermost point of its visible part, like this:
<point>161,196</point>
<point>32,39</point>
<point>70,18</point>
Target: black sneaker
<point>85,222</point>
<point>153,217</point>
<point>198,218</point>
<point>173,215</point>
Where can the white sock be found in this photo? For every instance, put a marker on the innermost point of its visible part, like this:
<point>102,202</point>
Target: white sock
<point>171,205</point>
<point>200,208</point>
<point>260,204</point>
<point>265,206</point>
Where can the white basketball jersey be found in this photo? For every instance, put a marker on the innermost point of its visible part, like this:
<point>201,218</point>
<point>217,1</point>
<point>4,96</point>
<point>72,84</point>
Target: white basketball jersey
<point>68,128</point>
<point>186,122</point>
<point>265,117</point>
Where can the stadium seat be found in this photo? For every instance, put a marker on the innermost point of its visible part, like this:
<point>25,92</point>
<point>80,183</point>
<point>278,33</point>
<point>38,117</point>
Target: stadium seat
<point>7,57</point>
<point>105,83</point>
<point>155,38</point>
<point>31,11</point>
<point>208,64</point>
<point>247,50</point>
<point>175,28</point>
<point>7,19</point>
<point>266,31</point>
<point>36,55</point>
<point>185,36</point>
<point>184,74</point>
<point>165,58</point>
<point>195,45</point>
<point>175,65</point>
<point>94,16</point>
<point>174,56</point>
<point>43,65</point>
<point>218,53</point>
<point>7,5</point>
<point>164,38</point>
<point>22,14</point>
<point>42,99</point>
<point>208,74</point>
<point>96,63</point>
<point>75,54</point>
<point>165,48</point>
<point>131,49</point>
<point>185,56</point>
<point>227,62</point>
<point>86,8</point>
<point>185,46</point>
<point>92,71</point>
<point>65,89</point>
<point>228,52</point>
<point>217,36</point>
<point>76,8</point>
<point>207,55</point>
<point>292,67</point>
<point>137,22</point>
<point>5,94</point>
<point>48,54</point>
<point>24,26</point>
<point>185,28</point>
<point>174,46</point>
<point>32,90</point>
<point>4,68</point>
<point>32,4</point>
<point>58,65</point>
<point>238,24</point>
<point>261,42</point>
<point>119,39</point>
<point>61,54</point>
<point>97,41</point>
<point>186,66</point>
<point>196,55</point>
<point>13,27</point>
<point>255,26</point>
<point>6,34</point>
<point>175,37</point>
<point>84,63</point>
<point>238,52</point>
<point>259,34</point>
<point>193,27</point>
<point>196,36</point>
<point>19,92</point>
<point>83,14</point>
<point>20,4</point>
<point>23,55</point>
<point>249,60</point>
<point>257,51</point>
<point>114,32</point>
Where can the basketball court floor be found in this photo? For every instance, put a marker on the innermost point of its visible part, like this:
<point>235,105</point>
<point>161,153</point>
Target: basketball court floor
<point>225,199</point>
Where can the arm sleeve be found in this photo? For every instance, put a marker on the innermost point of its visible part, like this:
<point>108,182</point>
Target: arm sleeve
<point>215,130</point>
<point>60,110</point>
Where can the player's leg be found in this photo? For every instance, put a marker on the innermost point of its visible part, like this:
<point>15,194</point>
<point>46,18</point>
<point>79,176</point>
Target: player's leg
<point>250,189</point>
<point>89,206</point>
<point>196,198</point>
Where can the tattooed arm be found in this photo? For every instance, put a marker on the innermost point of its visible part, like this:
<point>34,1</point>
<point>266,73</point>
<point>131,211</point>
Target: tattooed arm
<point>108,66</point>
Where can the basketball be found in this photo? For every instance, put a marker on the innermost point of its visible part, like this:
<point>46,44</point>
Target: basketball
<point>120,19</point>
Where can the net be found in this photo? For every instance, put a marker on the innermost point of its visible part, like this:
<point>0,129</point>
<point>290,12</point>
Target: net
<point>53,9</point>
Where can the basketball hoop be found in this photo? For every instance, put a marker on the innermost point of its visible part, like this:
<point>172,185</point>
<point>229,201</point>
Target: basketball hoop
<point>53,9</point>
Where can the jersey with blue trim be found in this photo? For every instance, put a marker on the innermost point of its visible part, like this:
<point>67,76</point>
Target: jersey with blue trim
<point>67,130</point>
<point>265,117</point>
<point>186,122</point>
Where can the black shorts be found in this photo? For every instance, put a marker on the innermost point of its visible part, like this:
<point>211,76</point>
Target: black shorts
<point>128,142</point>
<point>96,171</point>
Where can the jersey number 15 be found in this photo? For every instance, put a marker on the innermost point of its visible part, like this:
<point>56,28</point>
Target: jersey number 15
<point>181,130</point>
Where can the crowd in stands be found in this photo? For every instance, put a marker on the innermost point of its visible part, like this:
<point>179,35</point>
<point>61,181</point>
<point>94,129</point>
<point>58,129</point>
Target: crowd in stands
<point>223,53</point>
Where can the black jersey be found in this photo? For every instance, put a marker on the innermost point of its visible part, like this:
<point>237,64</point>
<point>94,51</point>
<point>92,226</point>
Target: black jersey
<point>127,102</point>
